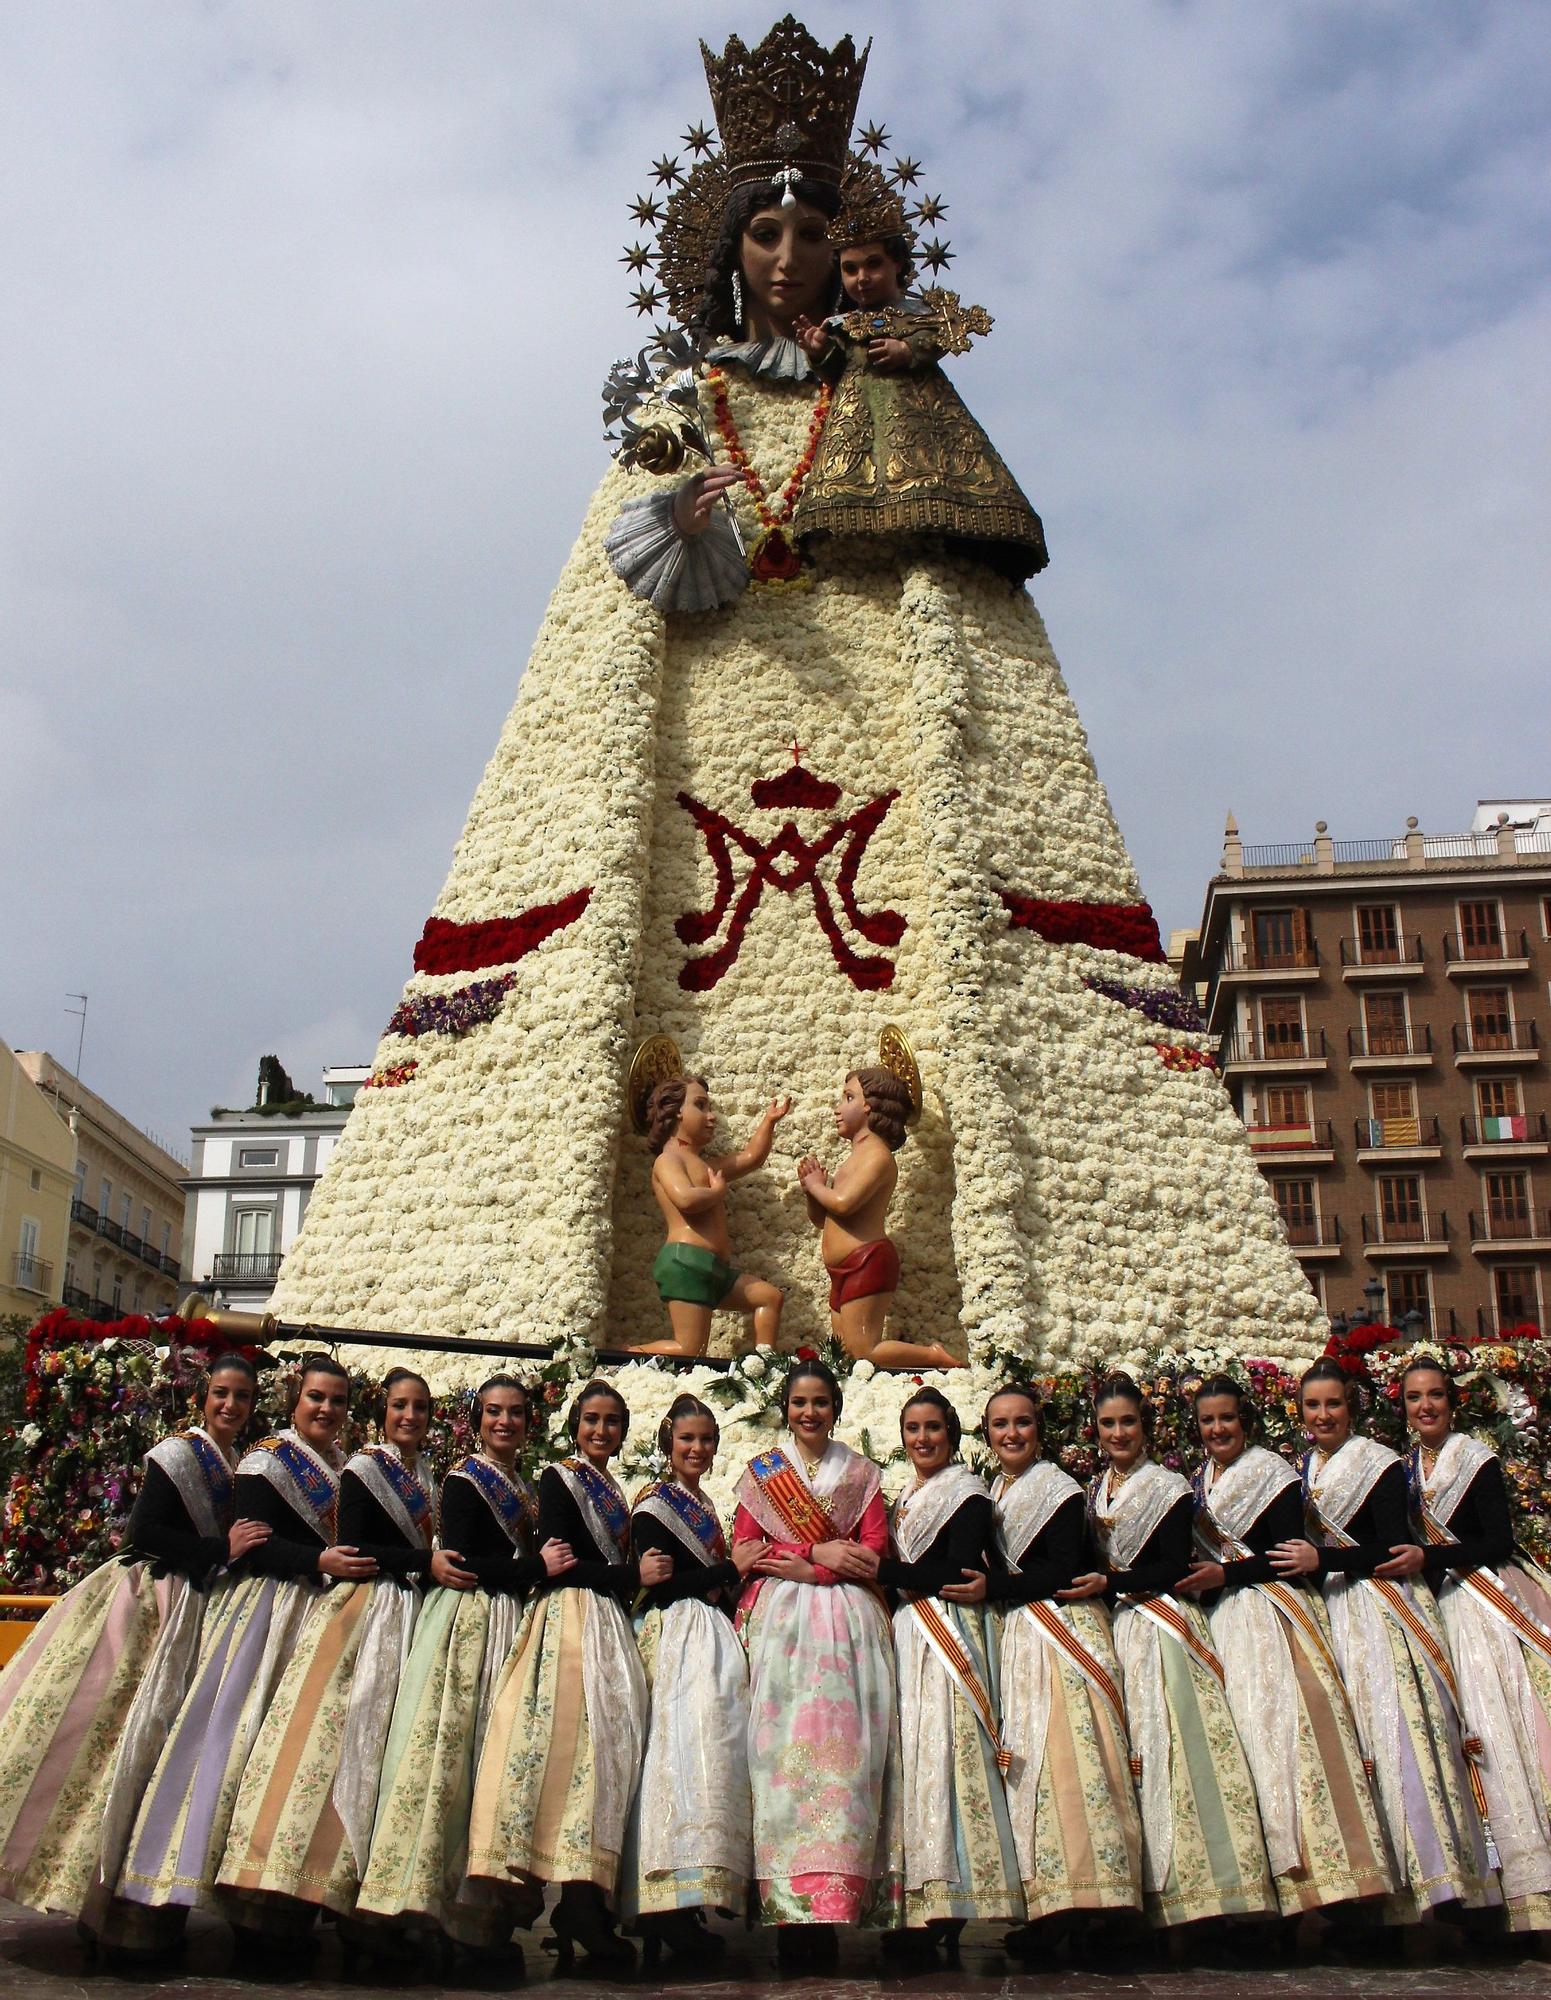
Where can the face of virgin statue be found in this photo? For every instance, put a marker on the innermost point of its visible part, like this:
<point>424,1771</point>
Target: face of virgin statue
<point>788,267</point>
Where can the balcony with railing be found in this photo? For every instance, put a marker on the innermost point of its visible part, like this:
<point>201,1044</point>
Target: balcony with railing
<point>1511,1226</point>
<point>1476,1042</point>
<point>1361,958</point>
<point>83,1213</point>
<point>1494,1325</point>
<point>1276,1053</point>
<point>1398,1138</point>
<point>1404,1047</point>
<point>77,1300</point>
<point>1313,1143</point>
<point>1515,1133</point>
<point>107,1227</point>
<point>1463,957</point>
<point>1314,1235</point>
<point>1406,1235</point>
<point>1295,962</point>
<point>31,1274</point>
<point>245,1267</point>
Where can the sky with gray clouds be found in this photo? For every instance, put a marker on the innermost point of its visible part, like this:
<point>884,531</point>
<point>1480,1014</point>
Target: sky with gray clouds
<point>305,310</point>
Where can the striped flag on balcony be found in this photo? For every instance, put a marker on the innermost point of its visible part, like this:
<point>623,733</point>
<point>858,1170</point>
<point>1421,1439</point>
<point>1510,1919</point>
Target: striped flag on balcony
<point>1394,1131</point>
<point>1504,1128</point>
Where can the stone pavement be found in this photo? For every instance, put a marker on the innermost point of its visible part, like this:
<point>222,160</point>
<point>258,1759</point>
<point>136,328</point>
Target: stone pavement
<point>41,1959</point>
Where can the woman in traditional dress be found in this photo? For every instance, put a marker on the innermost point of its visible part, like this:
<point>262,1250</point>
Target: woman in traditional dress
<point>1496,1606</point>
<point>86,1703</point>
<point>302,1824</point>
<point>1203,1854</point>
<point>822,1713</point>
<point>1322,1829</point>
<point>489,1527</point>
<point>290,1483</point>
<point>960,1861</point>
<point>562,1755</point>
<point>1390,1645</point>
<point>1070,1792</point>
<point>689,1846</point>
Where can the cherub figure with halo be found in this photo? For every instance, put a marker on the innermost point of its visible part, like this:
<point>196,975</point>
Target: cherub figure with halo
<point>693,1271</point>
<point>851,1208</point>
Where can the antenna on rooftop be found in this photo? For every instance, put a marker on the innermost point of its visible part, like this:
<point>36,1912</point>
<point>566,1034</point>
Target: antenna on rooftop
<point>80,1041</point>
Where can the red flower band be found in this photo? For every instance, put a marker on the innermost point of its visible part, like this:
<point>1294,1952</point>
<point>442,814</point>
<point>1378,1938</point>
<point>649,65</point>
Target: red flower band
<point>1127,927</point>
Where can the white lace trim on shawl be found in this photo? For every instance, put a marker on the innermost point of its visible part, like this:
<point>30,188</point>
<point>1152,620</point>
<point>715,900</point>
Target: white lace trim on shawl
<point>177,1458</point>
<point>1128,1519</point>
<point>1238,1495</point>
<point>1025,1505</point>
<point>1454,1471</point>
<point>1341,1485</point>
<point>921,1512</point>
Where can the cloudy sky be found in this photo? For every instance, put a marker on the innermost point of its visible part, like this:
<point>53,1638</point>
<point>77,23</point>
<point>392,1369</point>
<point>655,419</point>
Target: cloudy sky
<point>304,314</point>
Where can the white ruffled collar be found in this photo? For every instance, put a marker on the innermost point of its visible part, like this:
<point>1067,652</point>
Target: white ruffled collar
<point>775,360</point>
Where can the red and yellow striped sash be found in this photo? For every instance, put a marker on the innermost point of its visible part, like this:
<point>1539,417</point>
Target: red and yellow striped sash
<point>1485,1586</point>
<point>1178,1626</point>
<point>1092,1670</point>
<point>955,1656</point>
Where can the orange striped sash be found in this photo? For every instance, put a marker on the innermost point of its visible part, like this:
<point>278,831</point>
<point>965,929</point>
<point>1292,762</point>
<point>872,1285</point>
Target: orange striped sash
<point>951,1649</point>
<point>1093,1670</point>
<point>1178,1626</point>
<point>794,1500</point>
<point>1484,1585</point>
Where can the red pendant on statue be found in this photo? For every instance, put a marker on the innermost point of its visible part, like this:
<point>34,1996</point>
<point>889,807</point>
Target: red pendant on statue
<point>773,559</point>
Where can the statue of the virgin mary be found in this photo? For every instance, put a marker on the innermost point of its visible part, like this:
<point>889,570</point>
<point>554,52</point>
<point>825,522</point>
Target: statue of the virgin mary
<point>792,763</point>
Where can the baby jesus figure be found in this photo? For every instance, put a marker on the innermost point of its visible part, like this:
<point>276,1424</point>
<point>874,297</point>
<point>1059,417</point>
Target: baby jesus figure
<point>693,1270</point>
<point>852,1208</point>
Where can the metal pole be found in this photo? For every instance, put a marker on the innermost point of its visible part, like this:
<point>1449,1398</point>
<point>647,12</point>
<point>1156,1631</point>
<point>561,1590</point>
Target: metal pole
<point>80,1040</point>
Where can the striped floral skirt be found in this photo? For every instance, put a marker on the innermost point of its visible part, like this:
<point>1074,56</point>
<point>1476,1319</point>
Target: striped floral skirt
<point>689,1844</point>
<point>1070,1793</point>
<point>302,1821</point>
<point>960,1860</point>
<point>418,1869</point>
<point>1323,1834</point>
<point>1203,1854</point>
<point>562,1755</point>
<point>180,1829</point>
<point>65,1702</point>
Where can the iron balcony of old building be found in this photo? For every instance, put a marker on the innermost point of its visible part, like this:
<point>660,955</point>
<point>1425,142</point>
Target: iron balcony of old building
<point>1492,1326</point>
<point>1405,1047</point>
<point>31,1274</point>
<point>1516,1228</point>
<point>1407,1235</point>
<point>1386,1140</point>
<point>1476,1045</point>
<point>77,1300</point>
<point>1293,963</point>
<point>1506,1137</point>
<point>1275,1054</point>
<point>83,1213</point>
<point>1406,958</point>
<point>245,1267</point>
<point>1309,1144</point>
<point>1464,957</point>
<point>1314,1236</point>
<point>107,1227</point>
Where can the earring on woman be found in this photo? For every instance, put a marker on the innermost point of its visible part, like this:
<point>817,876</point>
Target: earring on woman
<point>737,302</point>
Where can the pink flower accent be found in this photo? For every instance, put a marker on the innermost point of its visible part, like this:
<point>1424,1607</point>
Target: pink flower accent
<point>832,1899</point>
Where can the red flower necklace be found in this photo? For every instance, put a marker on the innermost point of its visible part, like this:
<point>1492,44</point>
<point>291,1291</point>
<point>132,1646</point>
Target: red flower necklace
<point>772,558</point>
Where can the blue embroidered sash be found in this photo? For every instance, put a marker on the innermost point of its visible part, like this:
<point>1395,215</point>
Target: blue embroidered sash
<point>405,1488</point>
<point>312,1482</point>
<point>507,1495</point>
<point>606,1499</point>
<point>217,1472</point>
<point>700,1519</point>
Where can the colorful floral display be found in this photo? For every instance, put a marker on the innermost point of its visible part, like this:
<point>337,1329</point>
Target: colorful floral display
<point>454,1013</point>
<point>1164,1004</point>
<point>97,1397</point>
<point>1174,1056</point>
<point>391,1077</point>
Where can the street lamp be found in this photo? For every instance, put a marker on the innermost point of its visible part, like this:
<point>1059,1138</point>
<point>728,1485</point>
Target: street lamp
<point>1373,1294</point>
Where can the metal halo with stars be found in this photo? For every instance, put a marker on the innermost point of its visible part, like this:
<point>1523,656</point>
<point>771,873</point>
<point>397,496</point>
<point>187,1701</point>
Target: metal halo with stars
<point>683,211</point>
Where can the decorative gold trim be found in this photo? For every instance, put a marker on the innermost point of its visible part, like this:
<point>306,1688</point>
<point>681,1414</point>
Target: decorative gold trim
<point>899,1059</point>
<point>655,1060</point>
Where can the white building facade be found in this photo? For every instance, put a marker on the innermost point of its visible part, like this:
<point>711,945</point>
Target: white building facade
<point>251,1178</point>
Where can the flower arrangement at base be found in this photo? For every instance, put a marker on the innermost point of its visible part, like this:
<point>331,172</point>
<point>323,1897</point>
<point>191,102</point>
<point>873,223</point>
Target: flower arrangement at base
<point>96,1397</point>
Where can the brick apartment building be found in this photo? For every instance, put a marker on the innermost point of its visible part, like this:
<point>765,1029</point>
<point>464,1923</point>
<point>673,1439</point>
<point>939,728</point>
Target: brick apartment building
<point>1384,1009</point>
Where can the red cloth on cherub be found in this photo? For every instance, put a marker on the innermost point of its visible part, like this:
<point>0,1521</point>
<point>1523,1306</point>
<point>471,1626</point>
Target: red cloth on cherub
<point>867,1271</point>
